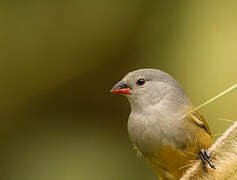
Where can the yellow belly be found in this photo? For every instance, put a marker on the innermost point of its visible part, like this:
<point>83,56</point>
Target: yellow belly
<point>170,162</point>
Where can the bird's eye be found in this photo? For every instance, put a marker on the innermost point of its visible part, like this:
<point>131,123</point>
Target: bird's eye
<point>141,82</point>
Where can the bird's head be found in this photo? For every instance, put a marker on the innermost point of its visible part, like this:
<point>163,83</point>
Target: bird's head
<point>147,87</point>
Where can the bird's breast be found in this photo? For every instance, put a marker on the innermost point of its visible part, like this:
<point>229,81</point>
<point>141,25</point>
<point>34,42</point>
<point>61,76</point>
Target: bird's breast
<point>152,132</point>
<point>144,132</point>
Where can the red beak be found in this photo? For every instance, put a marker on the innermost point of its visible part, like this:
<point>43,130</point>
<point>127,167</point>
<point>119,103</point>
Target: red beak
<point>121,88</point>
<point>121,91</point>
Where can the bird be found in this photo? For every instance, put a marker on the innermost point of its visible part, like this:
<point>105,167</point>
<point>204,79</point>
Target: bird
<point>161,125</point>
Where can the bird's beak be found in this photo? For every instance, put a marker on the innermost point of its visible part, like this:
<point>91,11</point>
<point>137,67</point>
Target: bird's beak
<point>121,88</point>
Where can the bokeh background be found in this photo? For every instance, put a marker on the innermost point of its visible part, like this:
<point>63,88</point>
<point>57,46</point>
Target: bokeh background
<point>59,60</point>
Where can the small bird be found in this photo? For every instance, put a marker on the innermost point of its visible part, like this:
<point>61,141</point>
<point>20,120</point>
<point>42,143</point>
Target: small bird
<point>161,126</point>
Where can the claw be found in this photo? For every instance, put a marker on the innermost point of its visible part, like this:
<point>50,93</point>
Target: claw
<point>205,157</point>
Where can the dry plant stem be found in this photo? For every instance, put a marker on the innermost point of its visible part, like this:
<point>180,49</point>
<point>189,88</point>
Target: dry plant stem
<point>224,154</point>
<point>228,90</point>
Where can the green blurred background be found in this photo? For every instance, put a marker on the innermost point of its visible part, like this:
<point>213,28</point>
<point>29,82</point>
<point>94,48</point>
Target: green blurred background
<point>59,60</point>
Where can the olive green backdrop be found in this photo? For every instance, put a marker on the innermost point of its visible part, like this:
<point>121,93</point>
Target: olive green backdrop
<point>59,60</point>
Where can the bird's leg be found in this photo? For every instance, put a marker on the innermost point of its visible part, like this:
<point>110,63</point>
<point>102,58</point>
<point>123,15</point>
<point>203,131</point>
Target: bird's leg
<point>205,157</point>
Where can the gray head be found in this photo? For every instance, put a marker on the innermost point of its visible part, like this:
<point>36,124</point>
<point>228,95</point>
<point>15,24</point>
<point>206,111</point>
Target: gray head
<point>148,87</point>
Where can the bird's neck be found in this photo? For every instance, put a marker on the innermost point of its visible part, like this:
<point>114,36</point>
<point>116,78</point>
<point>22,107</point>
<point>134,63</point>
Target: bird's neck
<point>175,103</point>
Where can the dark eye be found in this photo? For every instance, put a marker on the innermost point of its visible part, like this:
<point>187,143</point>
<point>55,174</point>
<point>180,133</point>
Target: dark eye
<point>140,82</point>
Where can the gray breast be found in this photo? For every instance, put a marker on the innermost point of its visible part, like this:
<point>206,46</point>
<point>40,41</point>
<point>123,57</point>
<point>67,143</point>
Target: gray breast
<point>150,133</point>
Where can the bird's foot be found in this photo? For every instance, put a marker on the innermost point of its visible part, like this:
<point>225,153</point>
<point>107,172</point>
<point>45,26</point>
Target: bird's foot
<point>205,157</point>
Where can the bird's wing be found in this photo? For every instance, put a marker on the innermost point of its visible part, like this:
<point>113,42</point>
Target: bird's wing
<point>200,121</point>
